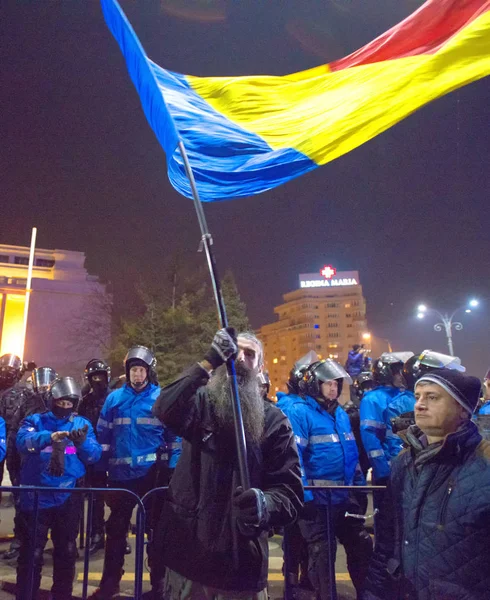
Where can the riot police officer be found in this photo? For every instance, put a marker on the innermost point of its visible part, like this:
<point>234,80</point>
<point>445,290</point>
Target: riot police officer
<point>284,401</point>
<point>98,376</point>
<point>380,443</point>
<point>33,402</point>
<point>132,438</point>
<point>55,446</point>
<point>329,456</point>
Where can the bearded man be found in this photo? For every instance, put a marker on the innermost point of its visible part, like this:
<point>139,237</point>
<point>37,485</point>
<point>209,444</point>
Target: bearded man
<point>213,535</point>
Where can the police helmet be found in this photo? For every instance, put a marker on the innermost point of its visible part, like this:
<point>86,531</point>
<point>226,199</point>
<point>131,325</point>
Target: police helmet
<point>363,382</point>
<point>42,379</point>
<point>388,365</point>
<point>264,381</point>
<point>96,365</point>
<point>140,355</point>
<point>297,372</point>
<point>427,361</point>
<point>65,388</point>
<point>11,369</point>
<point>321,371</point>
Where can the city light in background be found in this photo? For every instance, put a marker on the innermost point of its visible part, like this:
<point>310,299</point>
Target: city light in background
<point>447,322</point>
<point>13,325</point>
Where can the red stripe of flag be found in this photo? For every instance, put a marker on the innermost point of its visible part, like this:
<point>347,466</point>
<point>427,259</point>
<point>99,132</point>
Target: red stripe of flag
<point>423,32</point>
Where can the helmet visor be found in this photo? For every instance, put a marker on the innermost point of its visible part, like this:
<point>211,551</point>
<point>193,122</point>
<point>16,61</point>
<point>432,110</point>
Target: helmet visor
<point>43,377</point>
<point>306,360</point>
<point>437,360</point>
<point>10,360</point>
<point>328,369</point>
<point>66,387</point>
<point>390,358</point>
<point>140,353</point>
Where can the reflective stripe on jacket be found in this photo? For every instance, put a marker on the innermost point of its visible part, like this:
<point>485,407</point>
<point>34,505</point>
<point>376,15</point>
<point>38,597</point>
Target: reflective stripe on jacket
<point>377,408</point>
<point>132,438</point>
<point>35,445</point>
<point>327,449</point>
<point>3,440</point>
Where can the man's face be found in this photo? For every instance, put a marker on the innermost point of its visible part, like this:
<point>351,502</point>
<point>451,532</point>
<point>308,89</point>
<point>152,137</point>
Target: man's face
<point>486,387</point>
<point>137,376</point>
<point>436,412</point>
<point>248,354</point>
<point>63,403</point>
<point>330,389</point>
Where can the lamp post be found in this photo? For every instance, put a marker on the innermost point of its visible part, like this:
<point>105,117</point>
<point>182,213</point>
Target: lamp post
<point>447,321</point>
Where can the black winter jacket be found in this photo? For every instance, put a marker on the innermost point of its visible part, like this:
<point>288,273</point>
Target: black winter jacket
<point>198,535</point>
<point>434,535</point>
<point>32,404</point>
<point>91,405</point>
<point>10,400</point>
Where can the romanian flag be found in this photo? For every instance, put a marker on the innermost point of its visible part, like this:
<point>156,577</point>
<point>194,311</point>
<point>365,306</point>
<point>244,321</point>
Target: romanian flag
<point>245,135</point>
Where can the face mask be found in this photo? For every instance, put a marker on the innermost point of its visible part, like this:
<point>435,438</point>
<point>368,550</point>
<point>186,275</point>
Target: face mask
<point>61,413</point>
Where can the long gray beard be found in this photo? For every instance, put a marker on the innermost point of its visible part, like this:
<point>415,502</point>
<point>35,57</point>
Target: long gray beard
<point>251,401</point>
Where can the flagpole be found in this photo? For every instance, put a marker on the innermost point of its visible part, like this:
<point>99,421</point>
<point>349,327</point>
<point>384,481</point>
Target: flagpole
<point>207,242</point>
<point>28,288</point>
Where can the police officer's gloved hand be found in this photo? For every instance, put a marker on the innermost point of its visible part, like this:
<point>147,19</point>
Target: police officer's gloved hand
<point>56,466</point>
<point>252,513</point>
<point>223,347</point>
<point>78,436</point>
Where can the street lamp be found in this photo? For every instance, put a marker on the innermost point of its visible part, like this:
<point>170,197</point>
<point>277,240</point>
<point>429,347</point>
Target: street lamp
<point>447,322</point>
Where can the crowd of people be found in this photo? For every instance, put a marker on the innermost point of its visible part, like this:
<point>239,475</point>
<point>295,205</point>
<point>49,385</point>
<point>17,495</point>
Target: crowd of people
<point>407,424</point>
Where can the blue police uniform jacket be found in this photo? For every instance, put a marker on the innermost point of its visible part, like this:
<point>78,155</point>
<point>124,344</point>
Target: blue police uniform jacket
<point>327,449</point>
<point>35,446</point>
<point>378,407</point>
<point>285,401</point>
<point>131,437</point>
<point>485,409</point>
<point>3,439</point>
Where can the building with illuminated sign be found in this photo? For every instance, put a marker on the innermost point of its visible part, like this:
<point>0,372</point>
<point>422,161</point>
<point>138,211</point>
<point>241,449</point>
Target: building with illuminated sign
<point>69,311</point>
<point>326,314</point>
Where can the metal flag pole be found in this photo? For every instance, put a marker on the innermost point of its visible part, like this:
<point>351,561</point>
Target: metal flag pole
<point>28,289</point>
<point>207,243</point>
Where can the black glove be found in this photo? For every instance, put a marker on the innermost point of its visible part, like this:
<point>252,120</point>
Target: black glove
<point>56,466</point>
<point>252,510</point>
<point>223,347</point>
<point>78,436</point>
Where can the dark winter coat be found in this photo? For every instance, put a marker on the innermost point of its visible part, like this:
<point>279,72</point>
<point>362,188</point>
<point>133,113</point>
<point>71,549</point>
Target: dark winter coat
<point>32,404</point>
<point>91,405</point>
<point>10,400</point>
<point>435,524</point>
<point>198,533</point>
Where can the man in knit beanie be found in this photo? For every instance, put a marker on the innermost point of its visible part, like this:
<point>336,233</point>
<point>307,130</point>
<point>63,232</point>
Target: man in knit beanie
<point>435,521</point>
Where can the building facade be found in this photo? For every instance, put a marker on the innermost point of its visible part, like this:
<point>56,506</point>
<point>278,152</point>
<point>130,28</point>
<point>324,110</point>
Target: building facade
<point>326,314</point>
<point>69,318</point>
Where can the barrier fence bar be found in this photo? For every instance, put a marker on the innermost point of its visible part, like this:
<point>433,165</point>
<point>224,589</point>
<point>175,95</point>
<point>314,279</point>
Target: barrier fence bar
<point>143,524</point>
<point>86,556</point>
<point>33,527</point>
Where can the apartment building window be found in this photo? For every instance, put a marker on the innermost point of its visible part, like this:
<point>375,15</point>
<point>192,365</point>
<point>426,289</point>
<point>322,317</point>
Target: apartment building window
<point>44,262</point>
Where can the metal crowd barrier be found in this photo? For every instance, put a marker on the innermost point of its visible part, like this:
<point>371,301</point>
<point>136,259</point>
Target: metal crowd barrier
<point>141,526</point>
<point>367,489</point>
<point>89,493</point>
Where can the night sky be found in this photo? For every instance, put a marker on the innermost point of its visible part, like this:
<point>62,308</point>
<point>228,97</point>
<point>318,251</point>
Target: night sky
<point>408,209</point>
